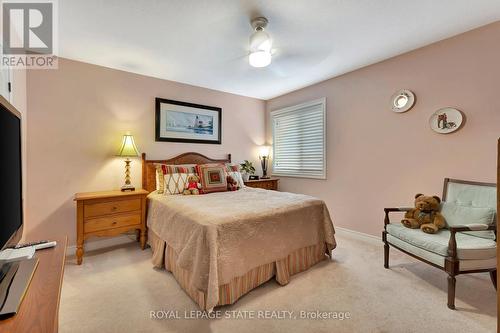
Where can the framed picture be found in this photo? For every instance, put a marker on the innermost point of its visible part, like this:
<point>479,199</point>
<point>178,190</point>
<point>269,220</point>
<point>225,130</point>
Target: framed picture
<point>187,122</point>
<point>253,177</point>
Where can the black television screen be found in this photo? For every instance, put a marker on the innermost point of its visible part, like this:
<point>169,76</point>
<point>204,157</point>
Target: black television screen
<point>11,211</point>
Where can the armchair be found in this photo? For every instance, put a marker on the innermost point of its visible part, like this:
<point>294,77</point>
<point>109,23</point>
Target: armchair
<point>457,249</point>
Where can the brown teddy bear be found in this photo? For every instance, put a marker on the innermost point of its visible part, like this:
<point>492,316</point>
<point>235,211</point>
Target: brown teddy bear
<point>425,215</point>
<point>193,185</point>
<point>232,184</point>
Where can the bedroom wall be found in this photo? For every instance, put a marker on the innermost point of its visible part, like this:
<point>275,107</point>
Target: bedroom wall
<point>377,158</point>
<point>78,115</point>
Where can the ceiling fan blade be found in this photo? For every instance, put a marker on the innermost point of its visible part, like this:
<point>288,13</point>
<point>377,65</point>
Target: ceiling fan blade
<point>288,64</point>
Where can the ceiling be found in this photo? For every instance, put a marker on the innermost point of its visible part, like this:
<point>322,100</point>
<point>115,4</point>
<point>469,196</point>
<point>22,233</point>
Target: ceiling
<point>205,42</point>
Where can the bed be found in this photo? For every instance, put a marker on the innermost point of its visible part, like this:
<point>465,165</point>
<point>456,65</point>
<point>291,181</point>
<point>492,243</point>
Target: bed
<point>219,246</point>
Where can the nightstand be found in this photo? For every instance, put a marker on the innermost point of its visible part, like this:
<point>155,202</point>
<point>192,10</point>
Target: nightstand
<point>266,184</point>
<point>109,213</point>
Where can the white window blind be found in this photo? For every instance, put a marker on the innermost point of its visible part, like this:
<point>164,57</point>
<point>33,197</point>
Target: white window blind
<point>299,140</point>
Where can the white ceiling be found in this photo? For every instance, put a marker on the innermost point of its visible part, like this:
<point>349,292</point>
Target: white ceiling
<point>205,42</point>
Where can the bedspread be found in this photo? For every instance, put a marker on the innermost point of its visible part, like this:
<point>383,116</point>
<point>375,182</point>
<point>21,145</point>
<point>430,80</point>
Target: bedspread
<point>222,235</point>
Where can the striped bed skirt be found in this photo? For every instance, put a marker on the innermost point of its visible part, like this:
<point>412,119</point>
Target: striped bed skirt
<point>282,269</point>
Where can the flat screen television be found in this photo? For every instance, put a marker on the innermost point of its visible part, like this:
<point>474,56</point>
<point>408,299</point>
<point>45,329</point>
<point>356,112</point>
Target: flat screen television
<point>15,274</point>
<point>11,195</point>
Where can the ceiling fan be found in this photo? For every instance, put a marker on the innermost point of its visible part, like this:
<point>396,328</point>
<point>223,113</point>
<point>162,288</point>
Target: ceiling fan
<point>290,58</point>
<point>260,44</point>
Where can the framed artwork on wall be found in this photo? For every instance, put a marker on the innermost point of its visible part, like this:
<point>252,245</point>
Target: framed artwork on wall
<point>177,121</point>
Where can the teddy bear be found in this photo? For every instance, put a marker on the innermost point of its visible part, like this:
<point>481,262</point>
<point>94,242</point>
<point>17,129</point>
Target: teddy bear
<point>425,215</point>
<point>232,184</point>
<point>193,185</point>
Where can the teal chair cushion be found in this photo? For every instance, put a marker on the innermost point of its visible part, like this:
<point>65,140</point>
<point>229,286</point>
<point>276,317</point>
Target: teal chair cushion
<point>468,247</point>
<point>459,215</point>
<point>472,195</point>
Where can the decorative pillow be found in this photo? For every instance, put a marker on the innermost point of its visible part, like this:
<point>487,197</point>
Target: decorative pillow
<point>212,177</point>
<point>175,183</point>
<point>456,215</point>
<point>164,169</point>
<point>233,170</point>
<point>232,184</point>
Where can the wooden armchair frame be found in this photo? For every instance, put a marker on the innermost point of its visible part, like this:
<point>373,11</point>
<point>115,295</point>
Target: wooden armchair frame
<point>452,263</point>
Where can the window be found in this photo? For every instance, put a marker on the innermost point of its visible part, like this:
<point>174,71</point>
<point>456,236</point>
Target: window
<point>299,140</point>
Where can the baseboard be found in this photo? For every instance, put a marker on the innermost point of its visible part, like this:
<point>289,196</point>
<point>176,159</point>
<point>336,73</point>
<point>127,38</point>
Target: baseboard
<point>102,243</point>
<point>360,235</point>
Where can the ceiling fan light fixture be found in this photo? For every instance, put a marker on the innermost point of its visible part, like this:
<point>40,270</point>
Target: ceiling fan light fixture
<point>260,41</point>
<point>259,58</point>
<point>260,44</point>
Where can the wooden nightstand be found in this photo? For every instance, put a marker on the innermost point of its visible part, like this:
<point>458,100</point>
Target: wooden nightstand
<point>109,213</point>
<point>267,184</point>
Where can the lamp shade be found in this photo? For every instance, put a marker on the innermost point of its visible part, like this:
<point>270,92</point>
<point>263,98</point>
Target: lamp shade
<point>128,148</point>
<point>264,151</point>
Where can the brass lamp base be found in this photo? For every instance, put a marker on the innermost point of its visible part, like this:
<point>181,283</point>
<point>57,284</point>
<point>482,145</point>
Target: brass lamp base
<point>128,188</point>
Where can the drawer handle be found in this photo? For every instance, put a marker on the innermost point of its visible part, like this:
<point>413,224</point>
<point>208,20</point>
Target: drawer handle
<point>114,222</point>
<point>114,208</point>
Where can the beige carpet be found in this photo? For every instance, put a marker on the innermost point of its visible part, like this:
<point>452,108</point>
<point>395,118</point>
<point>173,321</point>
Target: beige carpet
<point>115,290</point>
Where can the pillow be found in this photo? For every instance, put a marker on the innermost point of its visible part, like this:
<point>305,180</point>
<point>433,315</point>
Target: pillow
<point>212,177</point>
<point>175,183</point>
<point>456,214</point>
<point>233,170</point>
<point>164,169</point>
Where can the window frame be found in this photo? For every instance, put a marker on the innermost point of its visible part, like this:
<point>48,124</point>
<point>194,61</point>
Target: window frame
<point>293,108</point>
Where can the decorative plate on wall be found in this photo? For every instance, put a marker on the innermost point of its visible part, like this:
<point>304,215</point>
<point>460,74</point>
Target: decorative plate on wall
<point>402,101</point>
<point>446,120</point>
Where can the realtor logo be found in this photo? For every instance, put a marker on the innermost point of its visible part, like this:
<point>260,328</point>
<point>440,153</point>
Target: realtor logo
<point>27,28</point>
<point>28,32</point>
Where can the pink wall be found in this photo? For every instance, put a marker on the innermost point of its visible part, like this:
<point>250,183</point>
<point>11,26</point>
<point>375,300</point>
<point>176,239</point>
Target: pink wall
<point>377,158</point>
<point>77,115</point>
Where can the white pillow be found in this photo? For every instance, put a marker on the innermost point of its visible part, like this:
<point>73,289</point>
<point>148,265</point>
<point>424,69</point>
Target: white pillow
<point>237,176</point>
<point>233,170</point>
<point>462,215</point>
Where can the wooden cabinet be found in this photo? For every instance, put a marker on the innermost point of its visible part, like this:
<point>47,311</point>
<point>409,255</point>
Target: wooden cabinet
<point>266,184</point>
<point>109,213</point>
<point>39,310</point>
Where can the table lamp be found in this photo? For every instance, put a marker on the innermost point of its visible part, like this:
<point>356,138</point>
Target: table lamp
<point>264,159</point>
<point>128,149</point>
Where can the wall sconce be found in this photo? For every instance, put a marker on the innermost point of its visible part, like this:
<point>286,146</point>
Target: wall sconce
<point>264,160</point>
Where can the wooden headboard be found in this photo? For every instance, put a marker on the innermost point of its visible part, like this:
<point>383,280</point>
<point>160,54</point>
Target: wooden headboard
<point>149,169</point>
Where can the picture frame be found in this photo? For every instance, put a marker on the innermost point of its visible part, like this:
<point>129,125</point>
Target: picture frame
<point>177,121</point>
<point>253,177</point>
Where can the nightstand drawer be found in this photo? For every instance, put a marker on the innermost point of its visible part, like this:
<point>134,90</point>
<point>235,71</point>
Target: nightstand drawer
<point>111,207</point>
<point>111,222</point>
<point>266,184</point>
